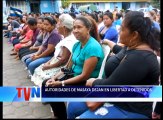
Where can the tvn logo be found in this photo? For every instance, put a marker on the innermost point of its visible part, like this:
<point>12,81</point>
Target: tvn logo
<point>28,93</point>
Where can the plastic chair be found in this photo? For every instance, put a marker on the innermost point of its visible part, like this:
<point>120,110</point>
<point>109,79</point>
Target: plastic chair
<point>154,103</point>
<point>106,50</point>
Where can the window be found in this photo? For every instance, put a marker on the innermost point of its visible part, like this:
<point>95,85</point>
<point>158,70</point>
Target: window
<point>19,4</point>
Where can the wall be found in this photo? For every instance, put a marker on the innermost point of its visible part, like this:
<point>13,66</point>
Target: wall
<point>4,3</point>
<point>28,6</point>
<point>113,4</point>
<point>107,6</point>
<point>49,6</point>
<point>133,6</point>
<point>101,6</point>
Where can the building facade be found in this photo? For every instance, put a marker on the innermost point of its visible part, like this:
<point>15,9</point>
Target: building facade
<point>41,6</point>
<point>104,5</point>
<point>35,6</point>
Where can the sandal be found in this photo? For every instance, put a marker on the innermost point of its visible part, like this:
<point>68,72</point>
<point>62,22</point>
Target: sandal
<point>13,53</point>
<point>17,57</point>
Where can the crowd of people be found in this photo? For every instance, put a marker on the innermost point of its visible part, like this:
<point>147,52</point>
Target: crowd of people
<point>46,43</point>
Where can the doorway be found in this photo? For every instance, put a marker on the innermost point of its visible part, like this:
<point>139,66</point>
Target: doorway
<point>35,6</point>
<point>125,5</point>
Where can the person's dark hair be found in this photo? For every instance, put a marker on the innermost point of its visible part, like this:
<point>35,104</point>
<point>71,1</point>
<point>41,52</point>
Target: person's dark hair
<point>109,14</point>
<point>94,29</point>
<point>9,18</point>
<point>41,18</point>
<point>85,21</point>
<point>135,21</point>
<point>21,20</point>
<point>118,15</point>
<point>32,14</point>
<point>90,24</point>
<point>153,14</point>
<point>156,11</point>
<point>57,15</point>
<point>107,11</point>
<point>100,15</point>
<point>126,11</point>
<point>38,14</point>
<point>73,15</point>
<point>53,14</point>
<point>32,21</point>
<point>94,16</point>
<point>51,20</point>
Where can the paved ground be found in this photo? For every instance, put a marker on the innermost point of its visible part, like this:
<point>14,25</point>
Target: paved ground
<point>15,75</point>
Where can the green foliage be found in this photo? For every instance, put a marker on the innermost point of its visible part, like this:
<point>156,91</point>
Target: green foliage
<point>155,3</point>
<point>91,7</point>
<point>65,3</point>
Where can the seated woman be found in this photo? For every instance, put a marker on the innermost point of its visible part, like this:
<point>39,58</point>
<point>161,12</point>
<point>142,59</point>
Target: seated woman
<point>46,51</point>
<point>87,57</point>
<point>108,31</point>
<point>152,15</point>
<point>118,21</point>
<point>23,43</point>
<point>14,25</point>
<point>100,22</point>
<point>39,41</point>
<point>22,33</point>
<point>36,40</point>
<point>17,32</point>
<point>136,65</point>
<point>88,49</point>
<point>62,51</point>
<point>32,23</point>
<point>32,33</point>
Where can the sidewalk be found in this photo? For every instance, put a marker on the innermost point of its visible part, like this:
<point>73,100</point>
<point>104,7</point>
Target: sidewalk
<point>15,75</point>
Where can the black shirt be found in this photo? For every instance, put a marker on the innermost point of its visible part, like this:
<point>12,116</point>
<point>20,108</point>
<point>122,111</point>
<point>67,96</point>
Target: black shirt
<point>139,67</point>
<point>158,108</point>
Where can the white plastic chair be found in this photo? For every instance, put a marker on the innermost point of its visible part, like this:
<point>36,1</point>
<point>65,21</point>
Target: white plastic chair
<point>158,59</point>
<point>106,50</point>
<point>154,103</point>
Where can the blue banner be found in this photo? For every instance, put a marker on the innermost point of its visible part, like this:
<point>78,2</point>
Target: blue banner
<point>15,12</point>
<point>81,93</point>
<point>102,91</point>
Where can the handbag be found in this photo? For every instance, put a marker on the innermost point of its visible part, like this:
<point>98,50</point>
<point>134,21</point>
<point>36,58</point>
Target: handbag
<point>66,74</point>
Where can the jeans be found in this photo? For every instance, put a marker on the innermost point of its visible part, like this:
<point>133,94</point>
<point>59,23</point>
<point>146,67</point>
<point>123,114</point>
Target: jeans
<point>104,112</point>
<point>59,108</point>
<point>24,58</point>
<point>5,27</point>
<point>32,65</point>
<point>9,34</point>
<point>15,41</point>
<point>75,109</point>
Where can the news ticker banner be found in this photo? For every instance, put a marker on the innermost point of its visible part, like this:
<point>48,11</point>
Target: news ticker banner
<point>81,94</point>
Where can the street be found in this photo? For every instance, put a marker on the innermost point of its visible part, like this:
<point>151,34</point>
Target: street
<point>15,75</point>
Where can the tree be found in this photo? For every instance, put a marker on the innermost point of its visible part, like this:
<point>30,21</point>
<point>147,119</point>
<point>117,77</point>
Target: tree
<point>155,3</point>
<point>65,3</point>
